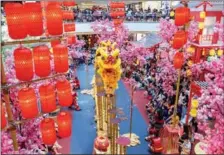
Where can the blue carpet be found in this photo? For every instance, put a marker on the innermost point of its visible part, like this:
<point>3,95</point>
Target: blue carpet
<point>139,125</point>
<point>84,128</point>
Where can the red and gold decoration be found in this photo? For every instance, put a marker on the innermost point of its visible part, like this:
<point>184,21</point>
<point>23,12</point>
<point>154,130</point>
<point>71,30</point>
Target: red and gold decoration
<point>48,131</point>
<point>64,93</point>
<point>47,98</point>
<point>54,19</point>
<point>15,17</point>
<point>60,53</point>
<point>68,15</point>
<point>34,19</point>
<point>69,3</point>
<point>178,60</point>
<point>3,118</point>
<point>115,5</point>
<point>117,12</point>
<point>182,16</point>
<point>101,144</point>
<point>64,121</point>
<point>69,27</point>
<point>180,38</point>
<point>28,103</point>
<point>41,55</point>
<point>23,64</point>
<point>55,42</point>
<point>71,40</point>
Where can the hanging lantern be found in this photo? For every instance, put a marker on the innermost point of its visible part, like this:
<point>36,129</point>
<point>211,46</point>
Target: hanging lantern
<point>193,112</point>
<point>34,19</point>
<point>69,27</point>
<point>113,14</point>
<point>194,103</point>
<point>115,5</point>
<point>54,19</point>
<point>69,3</point>
<point>120,13</point>
<point>172,13</point>
<point>68,15</point>
<point>220,52</point>
<point>101,143</point>
<point>41,55</point>
<point>202,14</point>
<point>71,40</point>
<point>212,52</point>
<point>23,64</point>
<point>47,98</point>
<point>28,103</point>
<point>3,118</point>
<point>117,22</point>
<point>64,121</point>
<point>48,131</point>
<point>60,53</point>
<point>201,25</point>
<point>178,60</point>
<point>64,93</point>
<point>55,42</point>
<point>15,17</point>
<point>182,16</point>
<point>180,38</point>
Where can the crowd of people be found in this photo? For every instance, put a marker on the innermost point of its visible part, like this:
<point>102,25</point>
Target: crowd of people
<point>160,106</point>
<point>99,13</point>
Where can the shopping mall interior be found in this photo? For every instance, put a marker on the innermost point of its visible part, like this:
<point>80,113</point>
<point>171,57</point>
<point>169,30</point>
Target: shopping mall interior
<point>112,77</point>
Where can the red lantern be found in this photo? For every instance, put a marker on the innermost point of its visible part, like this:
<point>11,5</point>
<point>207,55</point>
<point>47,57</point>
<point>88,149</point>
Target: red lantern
<point>69,3</point>
<point>47,98</point>
<point>41,56</point>
<point>15,16</point>
<point>69,27</point>
<point>28,103</point>
<point>71,40</point>
<point>3,118</point>
<point>101,143</point>
<point>64,120</point>
<point>117,22</point>
<point>120,13</point>
<point>182,16</point>
<point>55,42</point>
<point>64,93</point>
<point>48,131</point>
<point>68,15</point>
<point>54,19</point>
<point>180,38</point>
<point>45,3</point>
<point>23,64</point>
<point>178,60</point>
<point>34,19</point>
<point>114,5</point>
<point>113,15</point>
<point>60,58</point>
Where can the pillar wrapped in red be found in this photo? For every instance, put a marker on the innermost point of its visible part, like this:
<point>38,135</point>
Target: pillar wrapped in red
<point>23,64</point>
<point>180,38</point>
<point>178,60</point>
<point>15,17</point>
<point>71,40</point>
<point>60,58</point>
<point>47,98</point>
<point>114,5</point>
<point>182,16</point>
<point>69,3</point>
<point>64,93</point>
<point>64,120</point>
<point>41,55</point>
<point>28,103</point>
<point>55,42</point>
<point>69,27</point>
<point>48,131</point>
<point>34,19</point>
<point>3,118</point>
<point>68,15</point>
<point>54,19</point>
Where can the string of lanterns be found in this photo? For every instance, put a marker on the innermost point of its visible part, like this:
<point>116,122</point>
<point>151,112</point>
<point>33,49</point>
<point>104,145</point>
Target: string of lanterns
<point>117,12</point>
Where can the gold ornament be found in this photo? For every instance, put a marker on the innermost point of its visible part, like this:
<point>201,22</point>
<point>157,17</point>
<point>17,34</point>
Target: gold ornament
<point>202,14</point>
<point>212,52</point>
<point>201,25</point>
<point>220,52</point>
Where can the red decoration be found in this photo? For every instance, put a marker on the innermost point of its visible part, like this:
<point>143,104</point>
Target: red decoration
<point>117,22</point>
<point>60,58</point>
<point>55,42</point>
<point>69,3</point>
<point>3,118</point>
<point>196,89</point>
<point>41,56</point>
<point>117,5</point>
<point>71,40</point>
<point>178,60</point>
<point>28,103</point>
<point>54,19</point>
<point>101,143</point>
<point>182,16</point>
<point>47,98</point>
<point>48,131</point>
<point>180,38</point>
<point>34,19</point>
<point>23,64</point>
<point>69,27</point>
<point>15,16</point>
<point>64,93</point>
<point>68,15</point>
<point>64,120</point>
